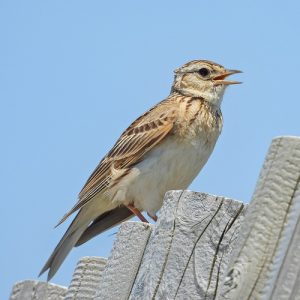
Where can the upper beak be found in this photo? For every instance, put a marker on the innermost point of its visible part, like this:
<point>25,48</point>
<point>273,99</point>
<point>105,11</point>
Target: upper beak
<point>220,78</point>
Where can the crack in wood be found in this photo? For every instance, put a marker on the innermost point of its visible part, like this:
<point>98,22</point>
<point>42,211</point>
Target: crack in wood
<point>225,230</point>
<point>138,266</point>
<point>215,259</point>
<point>258,277</point>
<point>168,251</point>
<point>230,242</point>
<point>194,247</point>
<point>236,216</point>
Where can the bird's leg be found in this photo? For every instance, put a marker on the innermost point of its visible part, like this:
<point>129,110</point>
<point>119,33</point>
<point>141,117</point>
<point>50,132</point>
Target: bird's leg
<point>154,217</point>
<point>137,213</point>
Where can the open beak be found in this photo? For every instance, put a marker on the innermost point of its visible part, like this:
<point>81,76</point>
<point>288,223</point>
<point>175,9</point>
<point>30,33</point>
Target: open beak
<point>220,79</point>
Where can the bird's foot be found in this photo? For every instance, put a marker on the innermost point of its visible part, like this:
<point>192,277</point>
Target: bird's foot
<point>137,213</point>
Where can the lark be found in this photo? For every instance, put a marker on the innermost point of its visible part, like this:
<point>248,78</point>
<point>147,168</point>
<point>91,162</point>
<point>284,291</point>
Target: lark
<point>164,149</point>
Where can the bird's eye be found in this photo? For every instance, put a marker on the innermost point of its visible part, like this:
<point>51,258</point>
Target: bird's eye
<point>204,72</point>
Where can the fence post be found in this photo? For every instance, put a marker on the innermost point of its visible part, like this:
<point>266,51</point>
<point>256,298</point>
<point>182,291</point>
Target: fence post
<point>266,263</point>
<point>35,290</point>
<point>124,261</point>
<point>189,247</point>
<point>86,278</point>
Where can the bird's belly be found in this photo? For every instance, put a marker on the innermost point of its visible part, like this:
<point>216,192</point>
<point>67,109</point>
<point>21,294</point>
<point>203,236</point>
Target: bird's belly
<point>172,165</point>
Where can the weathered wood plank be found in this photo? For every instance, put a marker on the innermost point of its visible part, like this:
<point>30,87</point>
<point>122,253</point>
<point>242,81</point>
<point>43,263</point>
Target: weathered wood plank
<point>124,261</point>
<point>189,247</point>
<point>35,290</point>
<point>86,278</point>
<point>266,263</point>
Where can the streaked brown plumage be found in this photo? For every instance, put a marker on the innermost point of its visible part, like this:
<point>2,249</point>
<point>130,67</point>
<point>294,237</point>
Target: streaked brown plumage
<point>163,149</point>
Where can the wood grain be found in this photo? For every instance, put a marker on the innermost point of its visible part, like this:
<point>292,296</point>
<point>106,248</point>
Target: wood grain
<point>35,290</point>
<point>266,263</point>
<point>189,247</point>
<point>86,278</point>
<point>124,261</point>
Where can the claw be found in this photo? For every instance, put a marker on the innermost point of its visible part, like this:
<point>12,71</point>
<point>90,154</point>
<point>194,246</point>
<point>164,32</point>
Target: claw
<point>154,218</point>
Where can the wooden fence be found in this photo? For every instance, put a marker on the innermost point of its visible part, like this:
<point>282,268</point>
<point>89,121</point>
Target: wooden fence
<point>202,247</point>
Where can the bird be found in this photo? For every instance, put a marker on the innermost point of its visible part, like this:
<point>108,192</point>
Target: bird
<point>164,149</point>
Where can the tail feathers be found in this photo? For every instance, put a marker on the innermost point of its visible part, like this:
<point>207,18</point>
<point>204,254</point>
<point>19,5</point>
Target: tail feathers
<point>104,222</point>
<point>84,217</point>
<point>63,248</point>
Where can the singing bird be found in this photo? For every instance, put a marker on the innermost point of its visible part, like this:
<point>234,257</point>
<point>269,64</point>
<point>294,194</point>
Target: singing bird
<point>163,149</point>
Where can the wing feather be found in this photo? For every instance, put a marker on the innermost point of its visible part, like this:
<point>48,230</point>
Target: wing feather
<point>138,139</point>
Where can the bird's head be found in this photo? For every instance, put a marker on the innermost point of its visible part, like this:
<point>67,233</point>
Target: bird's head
<point>202,78</point>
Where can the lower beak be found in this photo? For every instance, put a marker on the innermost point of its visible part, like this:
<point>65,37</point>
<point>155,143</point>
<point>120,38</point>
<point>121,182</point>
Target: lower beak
<point>220,78</point>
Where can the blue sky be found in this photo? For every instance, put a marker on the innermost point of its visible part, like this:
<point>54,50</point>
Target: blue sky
<point>74,74</point>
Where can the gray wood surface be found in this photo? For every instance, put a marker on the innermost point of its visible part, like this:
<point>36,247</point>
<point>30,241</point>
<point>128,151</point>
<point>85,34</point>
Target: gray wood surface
<point>86,278</point>
<point>266,263</point>
<point>189,247</point>
<point>35,290</point>
<point>124,261</point>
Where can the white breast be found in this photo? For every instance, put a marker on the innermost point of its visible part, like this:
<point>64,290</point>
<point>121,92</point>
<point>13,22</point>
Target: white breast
<point>171,165</point>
